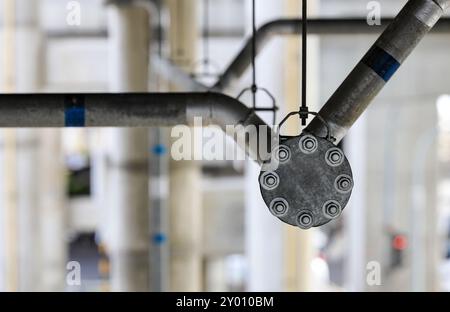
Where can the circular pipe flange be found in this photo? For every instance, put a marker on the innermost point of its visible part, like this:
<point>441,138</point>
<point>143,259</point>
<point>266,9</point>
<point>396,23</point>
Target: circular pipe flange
<point>269,180</point>
<point>343,184</point>
<point>304,190</point>
<point>305,220</point>
<point>279,207</point>
<point>308,144</point>
<point>332,209</point>
<point>334,157</point>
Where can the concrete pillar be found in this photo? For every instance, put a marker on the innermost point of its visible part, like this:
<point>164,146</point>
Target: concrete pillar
<point>185,176</point>
<point>355,219</point>
<point>8,206</point>
<point>215,275</point>
<point>298,248</point>
<point>128,28</point>
<point>53,212</point>
<point>28,79</point>
<point>263,232</point>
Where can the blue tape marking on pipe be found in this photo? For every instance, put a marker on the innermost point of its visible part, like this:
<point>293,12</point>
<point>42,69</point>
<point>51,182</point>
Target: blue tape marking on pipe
<point>159,238</point>
<point>159,149</point>
<point>381,62</point>
<point>75,111</point>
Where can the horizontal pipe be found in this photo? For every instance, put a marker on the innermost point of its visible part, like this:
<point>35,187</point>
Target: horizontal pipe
<point>129,110</point>
<point>375,69</point>
<point>283,27</point>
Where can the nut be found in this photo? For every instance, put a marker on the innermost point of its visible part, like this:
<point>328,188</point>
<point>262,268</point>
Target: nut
<point>305,220</point>
<point>283,154</point>
<point>308,144</point>
<point>332,209</point>
<point>334,157</point>
<point>279,207</point>
<point>269,180</point>
<point>343,184</point>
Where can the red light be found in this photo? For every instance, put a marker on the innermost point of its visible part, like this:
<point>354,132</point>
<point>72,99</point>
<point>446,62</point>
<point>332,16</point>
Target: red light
<point>400,242</point>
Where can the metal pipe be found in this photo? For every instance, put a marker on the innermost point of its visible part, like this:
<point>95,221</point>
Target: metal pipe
<point>127,110</point>
<point>284,27</point>
<point>380,63</point>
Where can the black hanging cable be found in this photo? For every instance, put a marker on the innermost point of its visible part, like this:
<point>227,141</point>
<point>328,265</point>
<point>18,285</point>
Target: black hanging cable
<point>303,111</point>
<point>160,39</point>
<point>206,33</point>
<point>254,86</point>
<point>207,66</point>
<point>304,107</point>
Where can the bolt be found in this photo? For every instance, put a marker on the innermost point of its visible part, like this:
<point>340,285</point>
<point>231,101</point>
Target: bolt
<point>269,180</point>
<point>308,144</point>
<point>343,184</point>
<point>332,209</point>
<point>279,207</point>
<point>305,220</point>
<point>282,154</point>
<point>334,157</point>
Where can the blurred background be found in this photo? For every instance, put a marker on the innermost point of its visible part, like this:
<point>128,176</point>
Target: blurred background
<point>109,210</point>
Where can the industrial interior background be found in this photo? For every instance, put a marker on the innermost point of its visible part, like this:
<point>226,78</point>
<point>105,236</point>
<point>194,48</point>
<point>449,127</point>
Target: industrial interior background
<point>82,201</point>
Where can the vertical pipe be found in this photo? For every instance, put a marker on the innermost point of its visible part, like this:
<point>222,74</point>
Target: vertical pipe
<point>159,209</point>
<point>185,176</point>
<point>128,28</point>
<point>159,190</point>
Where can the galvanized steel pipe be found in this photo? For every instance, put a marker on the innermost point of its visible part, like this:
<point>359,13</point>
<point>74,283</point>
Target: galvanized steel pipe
<point>125,110</point>
<point>285,27</point>
<point>350,100</point>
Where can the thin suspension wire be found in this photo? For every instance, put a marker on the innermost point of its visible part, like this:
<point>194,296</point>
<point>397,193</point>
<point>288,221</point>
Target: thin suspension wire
<point>160,40</point>
<point>304,107</point>
<point>254,86</point>
<point>206,32</point>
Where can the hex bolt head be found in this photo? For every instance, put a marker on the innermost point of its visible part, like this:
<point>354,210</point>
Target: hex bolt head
<point>282,154</point>
<point>343,184</point>
<point>269,180</point>
<point>305,220</point>
<point>279,207</point>
<point>334,157</point>
<point>308,144</point>
<point>332,209</point>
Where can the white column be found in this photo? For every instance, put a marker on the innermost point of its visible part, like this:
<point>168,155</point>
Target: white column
<point>185,176</point>
<point>128,161</point>
<point>28,79</point>
<point>355,219</point>
<point>263,232</point>
<point>53,212</point>
<point>8,253</point>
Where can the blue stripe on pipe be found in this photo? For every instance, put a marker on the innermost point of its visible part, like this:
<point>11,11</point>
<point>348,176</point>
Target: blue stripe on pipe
<point>159,149</point>
<point>159,238</point>
<point>381,62</point>
<point>75,111</point>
